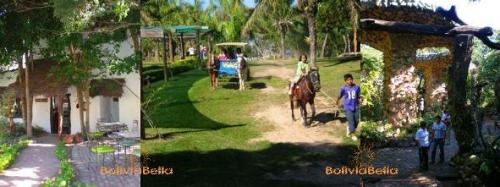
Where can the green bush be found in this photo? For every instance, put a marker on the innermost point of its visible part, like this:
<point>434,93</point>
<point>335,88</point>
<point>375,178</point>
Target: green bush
<point>370,134</point>
<point>67,172</point>
<point>8,153</point>
<point>155,72</point>
<point>371,84</point>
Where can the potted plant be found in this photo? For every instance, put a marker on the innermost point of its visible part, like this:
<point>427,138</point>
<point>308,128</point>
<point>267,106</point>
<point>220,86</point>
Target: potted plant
<point>68,139</point>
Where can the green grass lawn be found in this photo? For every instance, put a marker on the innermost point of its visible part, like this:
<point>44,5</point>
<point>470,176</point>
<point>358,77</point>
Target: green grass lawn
<point>206,133</point>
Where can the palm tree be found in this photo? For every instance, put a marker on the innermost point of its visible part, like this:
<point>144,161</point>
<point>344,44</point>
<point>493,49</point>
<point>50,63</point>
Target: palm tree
<point>281,14</point>
<point>309,9</point>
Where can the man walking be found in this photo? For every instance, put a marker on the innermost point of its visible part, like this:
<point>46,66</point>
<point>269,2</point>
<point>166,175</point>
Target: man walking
<point>438,136</point>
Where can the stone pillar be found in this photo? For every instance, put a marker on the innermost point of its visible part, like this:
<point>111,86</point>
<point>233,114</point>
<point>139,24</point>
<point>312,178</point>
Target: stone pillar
<point>438,87</point>
<point>400,81</point>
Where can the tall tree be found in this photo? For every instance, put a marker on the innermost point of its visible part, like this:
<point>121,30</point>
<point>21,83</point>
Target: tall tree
<point>279,12</point>
<point>309,9</point>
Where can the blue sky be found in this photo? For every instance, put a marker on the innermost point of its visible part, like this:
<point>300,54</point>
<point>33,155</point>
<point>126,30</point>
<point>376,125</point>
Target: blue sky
<point>481,14</point>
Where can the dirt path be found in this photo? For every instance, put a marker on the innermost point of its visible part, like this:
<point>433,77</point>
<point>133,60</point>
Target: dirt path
<point>34,164</point>
<point>285,130</point>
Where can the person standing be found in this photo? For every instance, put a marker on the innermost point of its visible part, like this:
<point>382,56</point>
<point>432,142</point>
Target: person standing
<point>422,137</point>
<point>350,94</point>
<point>446,119</point>
<point>438,137</point>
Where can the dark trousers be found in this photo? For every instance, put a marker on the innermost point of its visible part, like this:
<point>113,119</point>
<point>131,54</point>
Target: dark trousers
<point>438,142</point>
<point>423,155</point>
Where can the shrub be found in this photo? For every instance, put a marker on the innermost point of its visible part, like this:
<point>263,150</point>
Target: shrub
<point>8,153</point>
<point>370,134</point>
<point>66,173</point>
<point>155,73</point>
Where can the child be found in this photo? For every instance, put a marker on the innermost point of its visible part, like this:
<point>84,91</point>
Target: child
<point>350,93</point>
<point>422,137</point>
<point>302,70</point>
<point>438,136</point>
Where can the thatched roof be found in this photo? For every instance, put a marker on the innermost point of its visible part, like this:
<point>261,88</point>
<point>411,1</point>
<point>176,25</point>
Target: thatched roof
<point>43,81</point>
<point>107,87</point>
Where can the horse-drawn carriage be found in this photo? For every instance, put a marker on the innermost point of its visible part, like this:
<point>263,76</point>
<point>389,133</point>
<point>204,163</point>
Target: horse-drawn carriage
<point>228,60</point>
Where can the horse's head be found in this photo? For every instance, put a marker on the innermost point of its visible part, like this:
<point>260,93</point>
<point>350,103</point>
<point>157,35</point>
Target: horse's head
<point>314,77</point>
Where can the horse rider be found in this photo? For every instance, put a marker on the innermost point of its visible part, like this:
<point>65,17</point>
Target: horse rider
<point>303,69</point>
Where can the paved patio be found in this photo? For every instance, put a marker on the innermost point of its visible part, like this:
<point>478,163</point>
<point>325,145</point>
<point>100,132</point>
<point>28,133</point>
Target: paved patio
<point>91,171</point>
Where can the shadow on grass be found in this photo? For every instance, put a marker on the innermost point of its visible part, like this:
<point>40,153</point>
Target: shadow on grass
<point>250,166</point>
<point>258,85</point>
<point>173,134</point>
<point>233,167</point>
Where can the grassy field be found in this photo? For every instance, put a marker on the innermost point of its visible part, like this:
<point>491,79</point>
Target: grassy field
<point>205,133</point>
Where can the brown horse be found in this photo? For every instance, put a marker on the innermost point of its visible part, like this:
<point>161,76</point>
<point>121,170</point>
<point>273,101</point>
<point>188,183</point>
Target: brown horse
<point>304,93</point>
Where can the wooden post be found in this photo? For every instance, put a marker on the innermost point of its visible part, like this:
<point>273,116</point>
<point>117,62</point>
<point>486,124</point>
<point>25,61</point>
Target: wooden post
<point>198,48</point>
<point>461,117</point>
<point>165,63</point>
<point>182,46</point>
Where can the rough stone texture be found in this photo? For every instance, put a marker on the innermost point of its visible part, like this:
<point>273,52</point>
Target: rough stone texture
<point>401,65</point>
<point>434,71</point>
<point>400,81</point>
<point>34,164</point>
<point>410,14</point>
<point>88,168</point>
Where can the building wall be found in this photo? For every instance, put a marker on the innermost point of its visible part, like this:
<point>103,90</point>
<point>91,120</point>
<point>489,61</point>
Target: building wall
<point>41,113</point>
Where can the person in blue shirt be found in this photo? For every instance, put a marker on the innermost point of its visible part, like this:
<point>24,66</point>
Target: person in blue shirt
<point>422,137</point>
<point>438,137</point>
<point>350,94</point>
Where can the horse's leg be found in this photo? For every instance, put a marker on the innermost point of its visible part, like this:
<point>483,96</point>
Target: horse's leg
<point>304,112</point>
<point>313,110</point>
<point>291,107</point>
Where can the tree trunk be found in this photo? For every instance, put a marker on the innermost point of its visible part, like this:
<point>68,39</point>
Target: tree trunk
<point>86,96</point>
<point>23,98</point>
<point>461,117</point>
<point>79,95</point>
<point>282,42</point>
<point>323,48</point>
<point>355,39</point>
<point>10,114</point>
<point>346,45</point>
<point>60,115</point>
<point>311,22</point>
<point>29,127</point>
<point>349,48</point>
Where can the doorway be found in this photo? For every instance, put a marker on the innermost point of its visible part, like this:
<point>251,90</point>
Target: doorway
<point>66,114</point>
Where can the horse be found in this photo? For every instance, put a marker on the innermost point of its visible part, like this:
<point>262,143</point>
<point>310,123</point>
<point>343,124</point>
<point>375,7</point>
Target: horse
<point>242,72</point>
<point>304,93</point>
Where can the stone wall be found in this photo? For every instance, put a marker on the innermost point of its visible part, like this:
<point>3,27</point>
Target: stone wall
<point>401,65</point>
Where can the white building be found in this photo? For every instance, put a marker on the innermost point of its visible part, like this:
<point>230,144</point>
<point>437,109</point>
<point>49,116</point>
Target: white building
<point>114,98</point>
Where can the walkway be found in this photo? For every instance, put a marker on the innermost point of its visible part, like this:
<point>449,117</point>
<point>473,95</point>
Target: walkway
<point>34,164</point>
<point>406,160</point>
